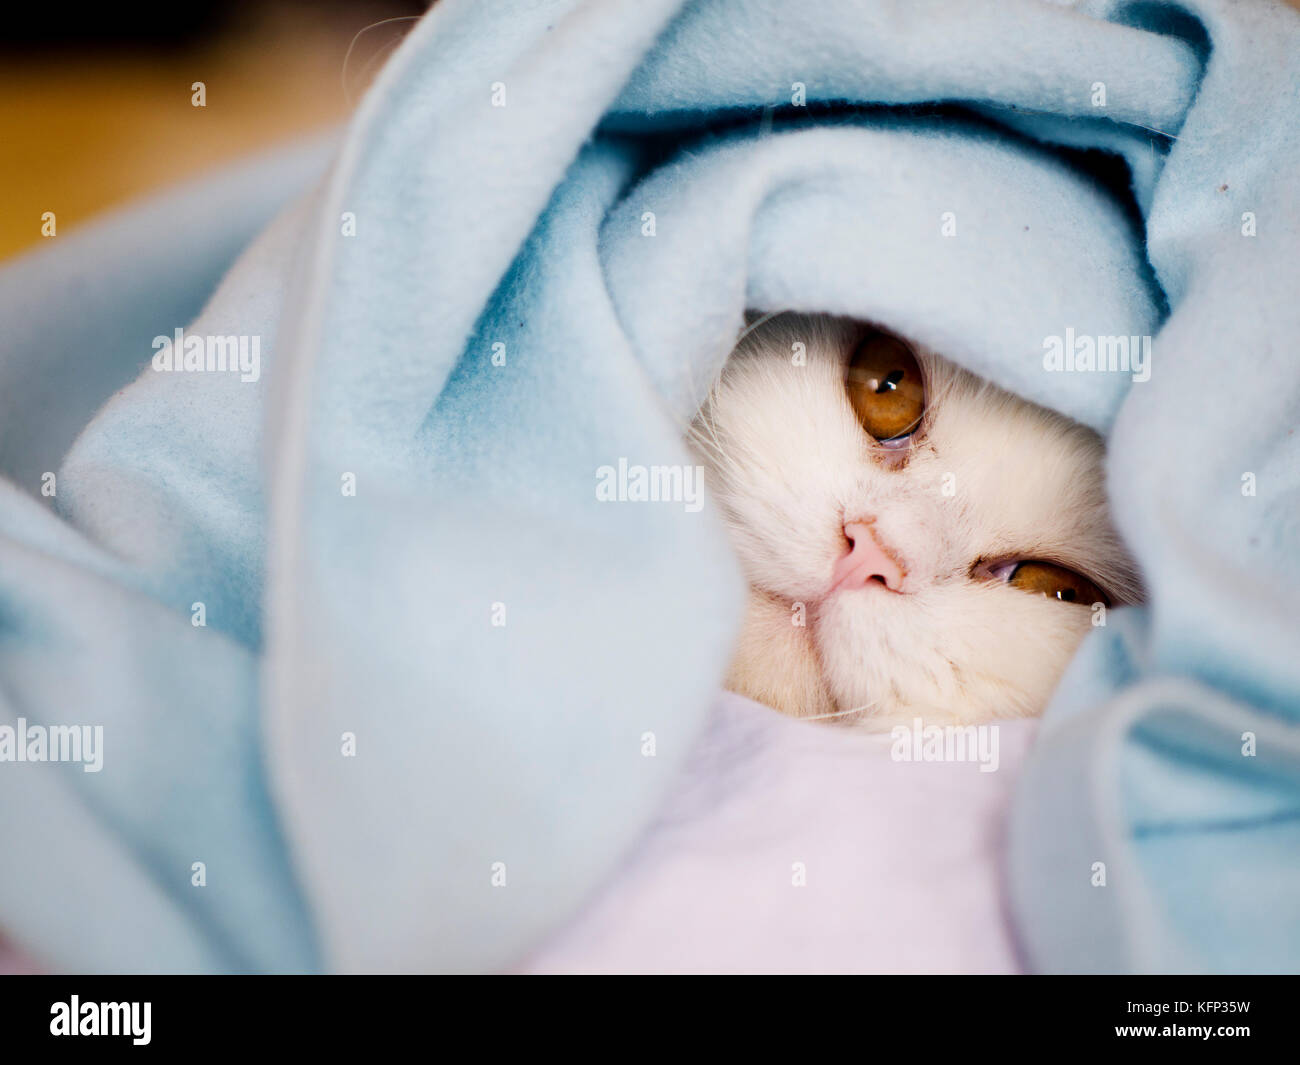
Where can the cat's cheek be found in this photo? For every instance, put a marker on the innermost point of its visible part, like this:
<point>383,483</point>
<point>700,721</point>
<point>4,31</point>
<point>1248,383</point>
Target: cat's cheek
<point>775,662</point>
<point>1011,658</point>
<point>792,560</point>
<point>852,635</point>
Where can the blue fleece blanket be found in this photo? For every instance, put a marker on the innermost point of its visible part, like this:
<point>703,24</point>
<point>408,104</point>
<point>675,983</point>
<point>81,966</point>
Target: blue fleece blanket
<point>375,671</point>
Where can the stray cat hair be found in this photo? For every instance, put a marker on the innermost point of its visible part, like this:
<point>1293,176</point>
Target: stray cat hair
<point>918,542</point>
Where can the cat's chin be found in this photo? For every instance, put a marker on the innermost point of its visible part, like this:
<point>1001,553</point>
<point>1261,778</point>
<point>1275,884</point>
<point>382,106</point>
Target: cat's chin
<point>777,663</point>
<point>882,663</point>
<point>813,667</point>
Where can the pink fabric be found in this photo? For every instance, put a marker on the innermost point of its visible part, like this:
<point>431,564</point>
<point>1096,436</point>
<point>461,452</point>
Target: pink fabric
<point>902,861</point>
<point>14,962</point>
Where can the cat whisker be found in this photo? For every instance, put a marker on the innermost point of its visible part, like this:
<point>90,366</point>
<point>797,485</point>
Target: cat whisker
<point>343,74</point>
<point>750,327</point>
<point>827,717</point>
<point>712,441</point>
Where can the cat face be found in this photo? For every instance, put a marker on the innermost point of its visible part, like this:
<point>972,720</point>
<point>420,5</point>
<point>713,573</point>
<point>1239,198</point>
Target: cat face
<point>918,542</point>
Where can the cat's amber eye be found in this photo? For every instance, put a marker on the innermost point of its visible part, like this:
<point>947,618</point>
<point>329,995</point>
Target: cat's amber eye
<point>885,387</point>
<point>1056,582</point>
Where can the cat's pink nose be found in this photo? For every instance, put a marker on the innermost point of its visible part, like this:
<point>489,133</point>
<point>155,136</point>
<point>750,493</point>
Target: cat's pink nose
<point>867,561</point>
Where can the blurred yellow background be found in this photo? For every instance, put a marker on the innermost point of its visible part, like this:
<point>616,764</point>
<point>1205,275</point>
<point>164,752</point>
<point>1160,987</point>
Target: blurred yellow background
<point>88,126</point>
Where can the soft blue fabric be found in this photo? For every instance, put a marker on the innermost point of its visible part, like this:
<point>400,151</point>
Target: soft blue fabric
<point>479,305</point>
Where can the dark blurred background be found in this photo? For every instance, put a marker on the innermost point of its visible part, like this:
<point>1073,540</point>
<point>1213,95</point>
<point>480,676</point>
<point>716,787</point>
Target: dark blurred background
<point>95,99</point>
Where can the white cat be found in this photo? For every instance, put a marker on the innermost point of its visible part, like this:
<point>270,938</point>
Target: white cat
<point>918,542</point>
